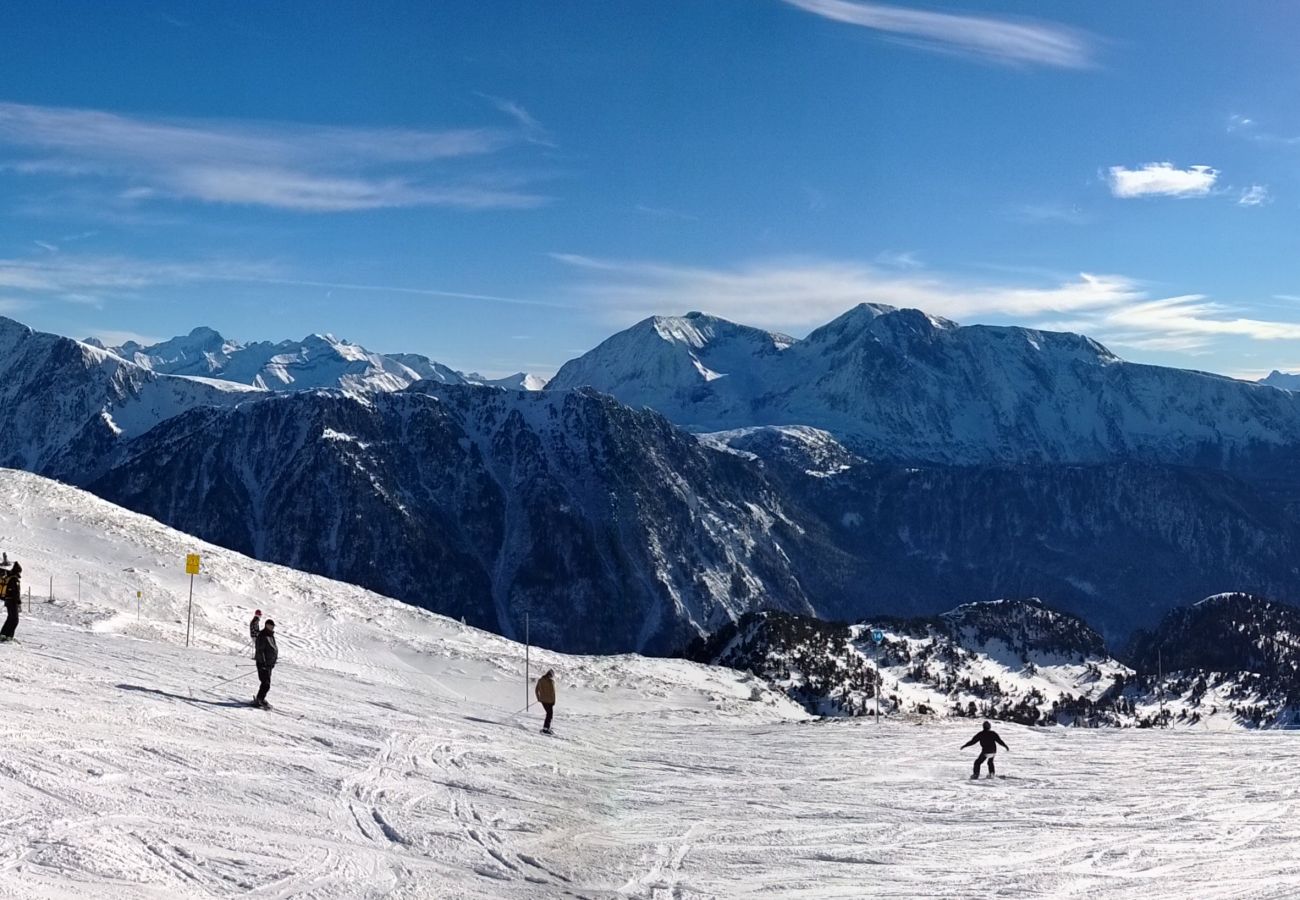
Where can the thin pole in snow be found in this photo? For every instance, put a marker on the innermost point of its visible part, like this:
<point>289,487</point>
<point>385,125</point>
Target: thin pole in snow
<point>528,652</point>
<point>51,589</point>
<point>1160,682</point>
<point>189,614</point>
<point>877,684</point>
<point>78,587</point>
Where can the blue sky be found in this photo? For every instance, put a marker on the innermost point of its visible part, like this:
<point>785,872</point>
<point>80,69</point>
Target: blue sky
<point>502,185</point>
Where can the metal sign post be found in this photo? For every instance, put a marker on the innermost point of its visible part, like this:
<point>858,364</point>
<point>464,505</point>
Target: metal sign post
<point>877,636</point>
<point>191,569</point>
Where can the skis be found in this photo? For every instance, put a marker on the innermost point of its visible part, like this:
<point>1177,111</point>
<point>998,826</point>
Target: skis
<point>266,707</point>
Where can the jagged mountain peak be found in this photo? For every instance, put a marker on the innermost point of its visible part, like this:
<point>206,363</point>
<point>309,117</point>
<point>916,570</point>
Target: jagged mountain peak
<point>1285,380</point>
<point>318,360</point>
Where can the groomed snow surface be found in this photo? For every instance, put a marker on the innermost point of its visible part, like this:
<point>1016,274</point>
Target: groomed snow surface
<point>398,764</point>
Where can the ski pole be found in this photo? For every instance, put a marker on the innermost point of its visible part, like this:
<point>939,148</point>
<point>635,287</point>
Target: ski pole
<point>208,690</point>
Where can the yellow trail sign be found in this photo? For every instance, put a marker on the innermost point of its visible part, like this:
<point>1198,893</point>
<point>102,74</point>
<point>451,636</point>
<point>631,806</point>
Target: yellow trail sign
<point>192,564</point>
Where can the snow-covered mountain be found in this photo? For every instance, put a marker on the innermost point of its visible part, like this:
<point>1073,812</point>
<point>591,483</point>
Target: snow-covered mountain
<point>67,406</point>
<point>520,381</point>
<point>1231,660</point>
<point>1284,380</point>
<point>317,361</point>
<point>615,529</point>
<point>1014,660</point>
<point>900,385</point>
<point>611,528</point>
<point>696,369</point>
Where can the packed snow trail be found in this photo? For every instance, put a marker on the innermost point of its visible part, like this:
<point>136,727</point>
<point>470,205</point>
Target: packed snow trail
<point>396,765</point>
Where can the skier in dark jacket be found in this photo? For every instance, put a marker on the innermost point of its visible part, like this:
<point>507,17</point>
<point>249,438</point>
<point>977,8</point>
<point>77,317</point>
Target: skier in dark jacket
<point>13,597</point>
<point>255,626</point>
<point>544,691</point>
<point>266,656</point>
<point>988,740</point>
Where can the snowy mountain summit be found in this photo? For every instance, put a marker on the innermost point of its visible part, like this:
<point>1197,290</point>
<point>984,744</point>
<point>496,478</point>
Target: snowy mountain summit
<point>901,385</point>
<point>317,361</point>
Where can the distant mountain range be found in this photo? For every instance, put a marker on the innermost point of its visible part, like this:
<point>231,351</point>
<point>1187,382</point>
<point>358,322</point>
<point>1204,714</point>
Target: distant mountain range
<point>902,386</point>
<point>317,361</point>
<point>887,464</point>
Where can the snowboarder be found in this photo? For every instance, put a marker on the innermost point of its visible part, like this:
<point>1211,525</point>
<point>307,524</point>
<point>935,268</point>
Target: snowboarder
<point>265,657</point>
<point>988,740</point>
<point>13,597</point>
<point>255,626</point>
<point>545,693</point>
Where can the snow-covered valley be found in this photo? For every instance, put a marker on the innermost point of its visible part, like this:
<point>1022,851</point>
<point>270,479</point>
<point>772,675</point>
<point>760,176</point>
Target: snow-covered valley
<point>399,762</point>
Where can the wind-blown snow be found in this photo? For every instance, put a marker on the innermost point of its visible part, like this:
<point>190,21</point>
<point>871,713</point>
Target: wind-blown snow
<point>397,764</point>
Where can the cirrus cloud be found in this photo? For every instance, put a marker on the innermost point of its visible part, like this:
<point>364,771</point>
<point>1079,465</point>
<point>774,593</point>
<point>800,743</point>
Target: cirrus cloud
<point>988,38</point>
<point>278,165</point>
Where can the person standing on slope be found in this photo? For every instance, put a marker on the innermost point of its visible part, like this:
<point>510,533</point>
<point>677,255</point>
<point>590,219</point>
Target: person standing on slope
<point>13,597</point>
<point>988,740</point>
<point>255,626</point>
<point>266,656</point>
<point>545,693</point>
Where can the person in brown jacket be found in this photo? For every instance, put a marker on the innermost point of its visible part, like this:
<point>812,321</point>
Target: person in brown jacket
<point>545,693</point>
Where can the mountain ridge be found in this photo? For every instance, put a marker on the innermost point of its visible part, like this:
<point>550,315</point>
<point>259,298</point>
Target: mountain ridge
<point>314,362</point>
<point>900,385</point>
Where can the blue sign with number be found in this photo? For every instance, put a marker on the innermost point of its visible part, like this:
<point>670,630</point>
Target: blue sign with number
<point>877,635</point>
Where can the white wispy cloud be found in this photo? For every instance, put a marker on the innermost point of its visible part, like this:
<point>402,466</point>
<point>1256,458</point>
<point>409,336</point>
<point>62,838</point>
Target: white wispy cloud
<point>279,165</point>
<point>793,295</point>
<point>1044,213</point>
<point>1250,129</point>
<point>799,293</point>
<point>533,130</point>
<point>1162,180</point>
<point>1255,195</point>
<point>989,38</point>
<point>92,280</point>
<point>663,212</point>
<point>89,279</point>
<point>1195,315</point>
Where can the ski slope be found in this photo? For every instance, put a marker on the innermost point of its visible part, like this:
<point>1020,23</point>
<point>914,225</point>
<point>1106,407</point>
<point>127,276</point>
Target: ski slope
<point>398,763</point>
